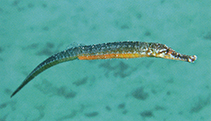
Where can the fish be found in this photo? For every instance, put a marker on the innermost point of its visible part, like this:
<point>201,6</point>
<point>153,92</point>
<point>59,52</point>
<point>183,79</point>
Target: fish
<point>121,50</point>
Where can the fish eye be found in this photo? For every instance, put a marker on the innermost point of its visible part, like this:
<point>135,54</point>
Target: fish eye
<point>167,51</point>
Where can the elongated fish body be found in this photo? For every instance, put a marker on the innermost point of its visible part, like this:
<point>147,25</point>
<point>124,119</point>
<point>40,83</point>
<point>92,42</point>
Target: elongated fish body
<point>126,49</point>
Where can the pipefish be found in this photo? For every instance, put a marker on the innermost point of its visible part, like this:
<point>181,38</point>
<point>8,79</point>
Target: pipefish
<point>125,49</point>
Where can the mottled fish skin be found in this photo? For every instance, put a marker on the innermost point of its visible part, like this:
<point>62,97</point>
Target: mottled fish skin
<point>126,49</point>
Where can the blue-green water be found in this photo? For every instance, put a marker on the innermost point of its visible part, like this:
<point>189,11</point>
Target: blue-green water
<point>149,89</point>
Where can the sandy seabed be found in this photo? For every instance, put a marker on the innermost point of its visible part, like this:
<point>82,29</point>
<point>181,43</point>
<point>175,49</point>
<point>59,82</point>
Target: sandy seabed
<point>149,89</point>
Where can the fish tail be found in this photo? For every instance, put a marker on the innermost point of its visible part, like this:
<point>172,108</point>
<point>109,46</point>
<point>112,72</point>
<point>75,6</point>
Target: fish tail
<point>49,62</point>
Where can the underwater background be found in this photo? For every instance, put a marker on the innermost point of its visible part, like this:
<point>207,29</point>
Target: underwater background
<point>149,89</point>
